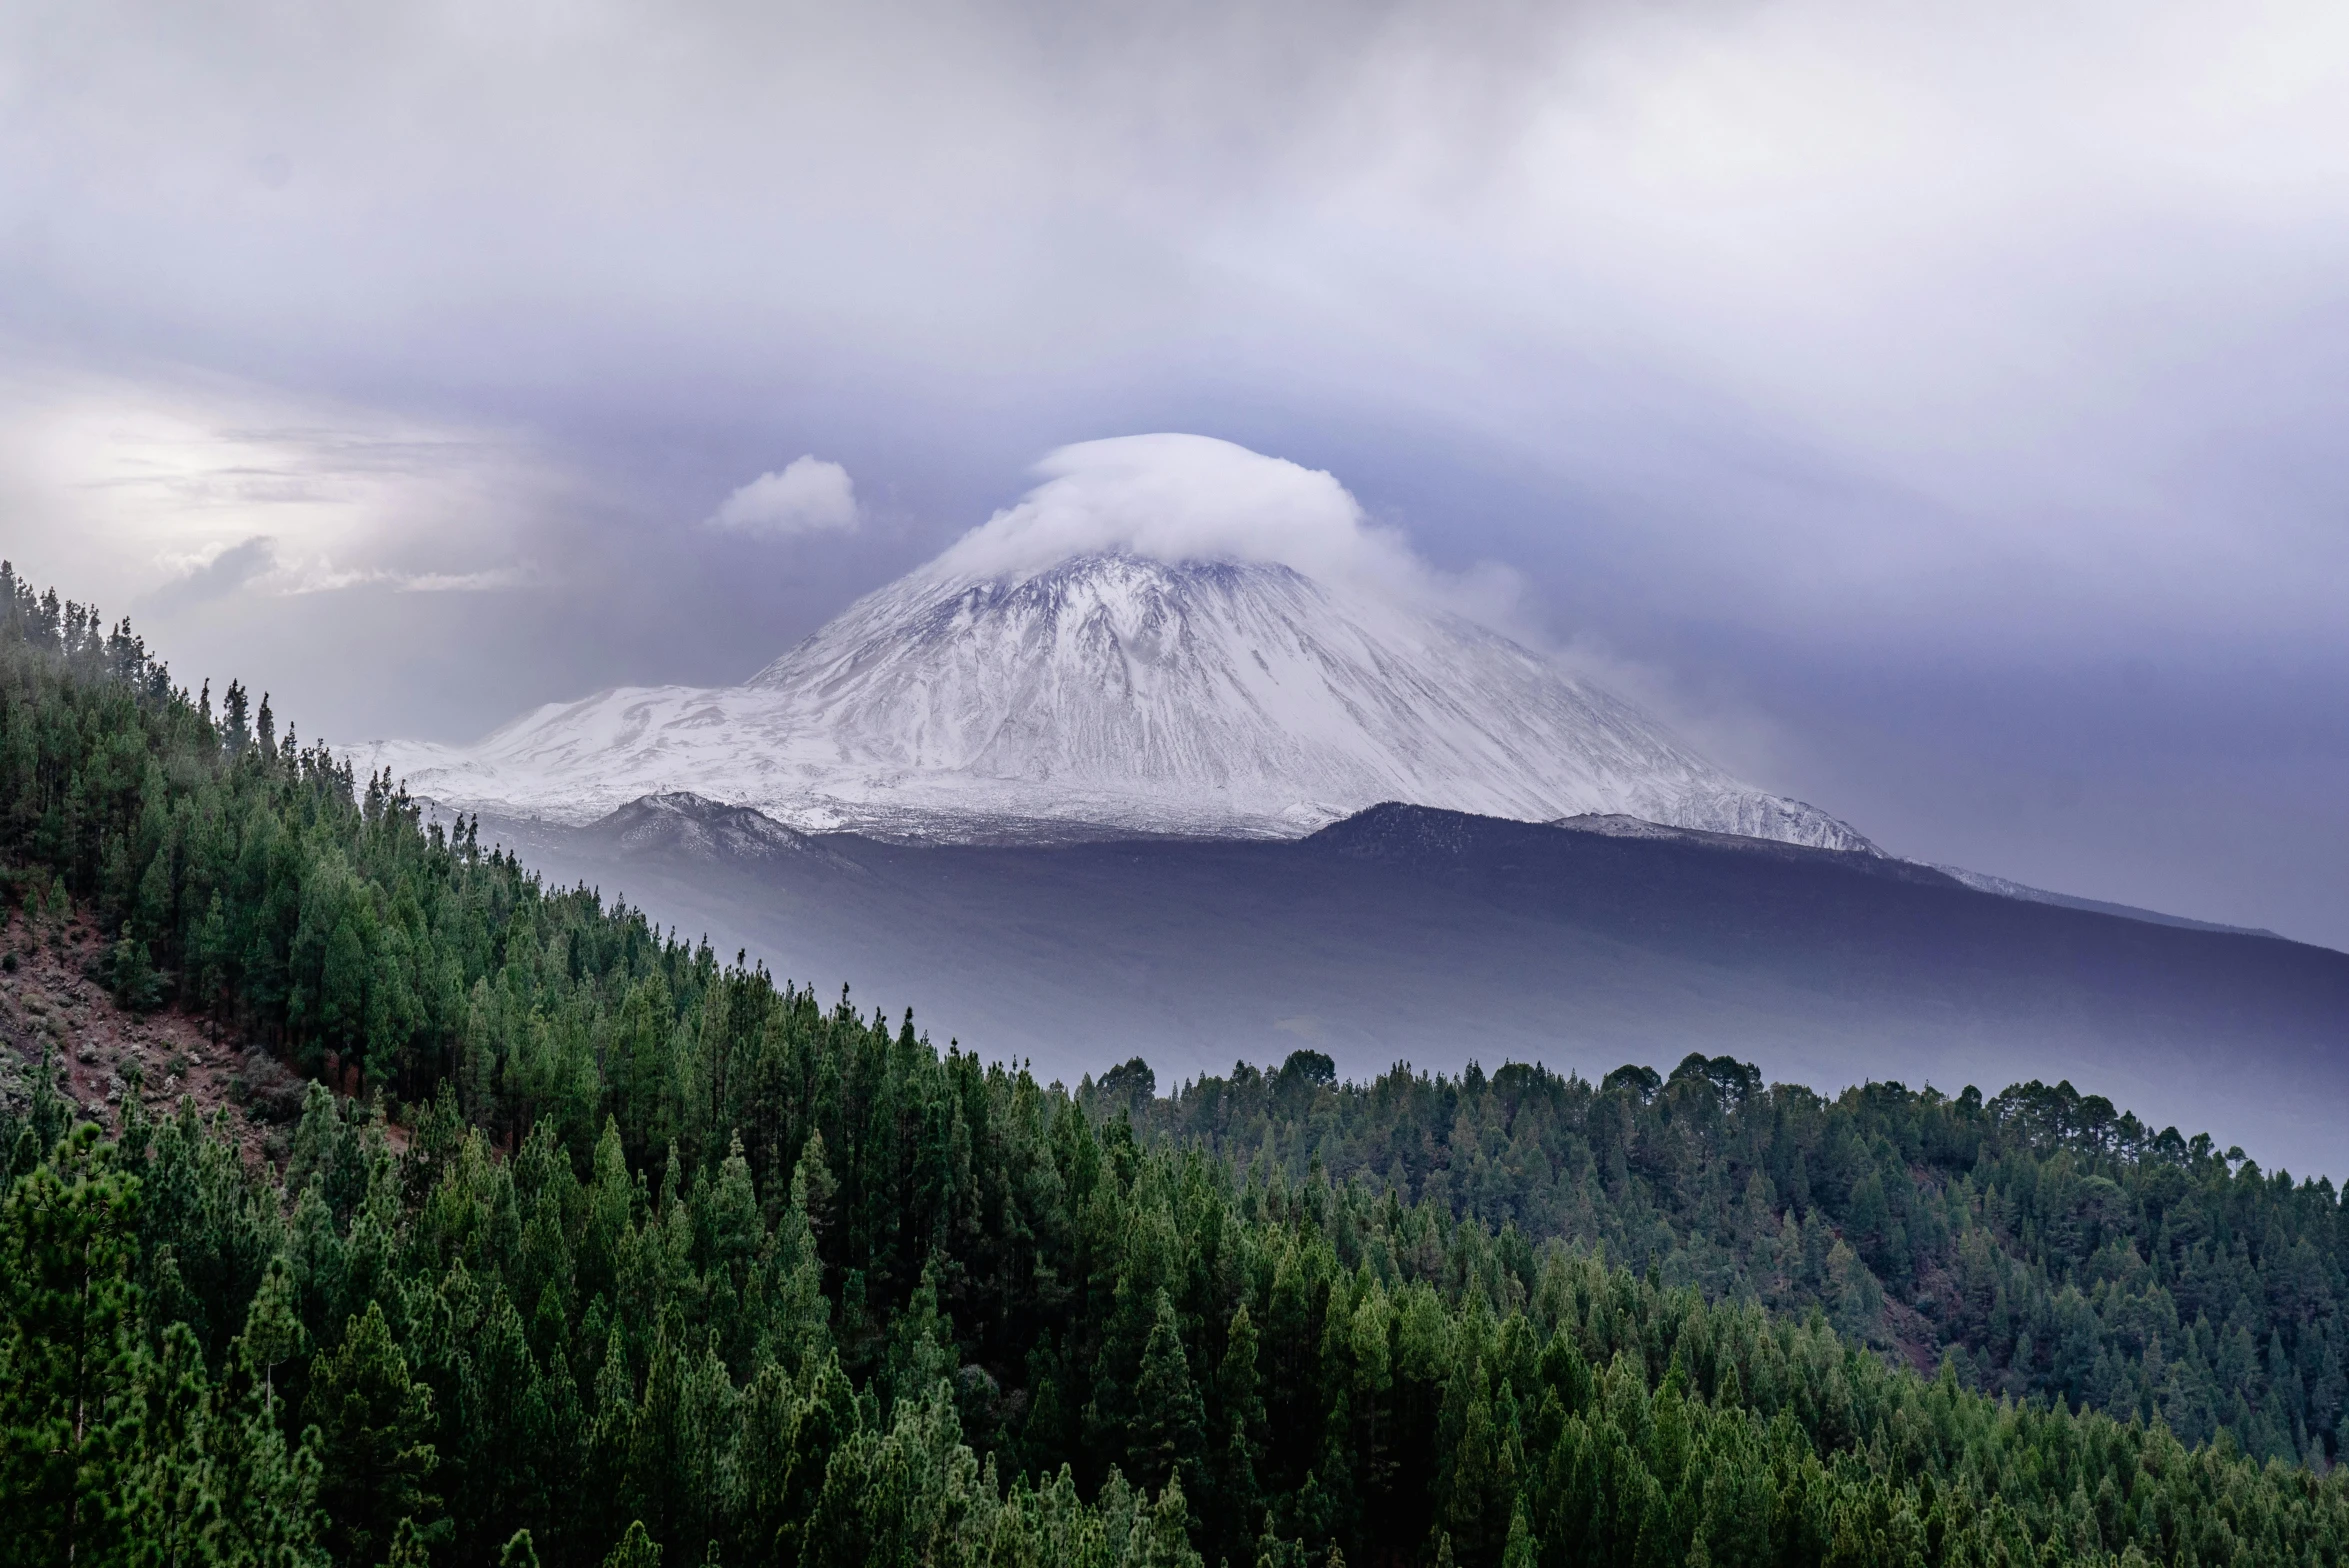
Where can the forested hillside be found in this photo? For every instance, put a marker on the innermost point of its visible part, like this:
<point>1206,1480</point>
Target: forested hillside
<point>599,1251</point>
<point>2040,1242</point>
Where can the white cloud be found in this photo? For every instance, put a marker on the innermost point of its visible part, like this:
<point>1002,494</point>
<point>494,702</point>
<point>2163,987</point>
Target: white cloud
<point>1175,498</point>
<point>809,496</point>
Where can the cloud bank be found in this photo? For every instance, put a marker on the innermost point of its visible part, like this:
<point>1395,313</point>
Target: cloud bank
<point>809,496</point>
<point>255,565</point>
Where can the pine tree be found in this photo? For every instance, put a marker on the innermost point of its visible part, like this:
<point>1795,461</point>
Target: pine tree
<point>409,1548</point>
<point>236,729</point>
<point>67,1234</point>
<point>170,1503</point>
<point>1518,1552</point>
<point>1160,1533</point>
<point>636,1549</point>
<point>208,954</point>
<point>813,1186</point>
<point>52,1113</point>
<point>268,1492</point>
<point>273,1329</point>
<point>374,1426</point>
<point>1167,1433</point>
<point>136,985</point>
<point>921,1347</point>
<point>1234,1497</point>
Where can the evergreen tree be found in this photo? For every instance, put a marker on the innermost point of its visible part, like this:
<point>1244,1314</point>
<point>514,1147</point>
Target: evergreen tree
<point>236,728</point>
<point>273,1330</point>
<point>636,1549</point>
<point>136,985</point>
<point>1518,1551</point>
<point>1167,1436</point>
<point>68,1358</point>
<point>374,1424</point>
<point>170,1505</point>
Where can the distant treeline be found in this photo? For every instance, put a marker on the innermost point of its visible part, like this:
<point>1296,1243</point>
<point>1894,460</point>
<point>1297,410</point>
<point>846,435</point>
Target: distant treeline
<point>666,1261</point>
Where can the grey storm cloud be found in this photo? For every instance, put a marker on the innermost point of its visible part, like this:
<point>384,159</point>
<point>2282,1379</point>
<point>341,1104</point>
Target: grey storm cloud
<point>1899,395</point>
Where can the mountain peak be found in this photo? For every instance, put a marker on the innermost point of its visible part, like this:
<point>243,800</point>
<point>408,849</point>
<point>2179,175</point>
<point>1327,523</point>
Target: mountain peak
<point>1116,690</point>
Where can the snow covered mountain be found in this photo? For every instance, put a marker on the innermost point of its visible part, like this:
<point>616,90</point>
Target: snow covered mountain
<point>1113,692</point>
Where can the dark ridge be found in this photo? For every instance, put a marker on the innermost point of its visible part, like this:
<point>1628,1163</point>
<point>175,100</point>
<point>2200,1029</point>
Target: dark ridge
<point>1410,933</point>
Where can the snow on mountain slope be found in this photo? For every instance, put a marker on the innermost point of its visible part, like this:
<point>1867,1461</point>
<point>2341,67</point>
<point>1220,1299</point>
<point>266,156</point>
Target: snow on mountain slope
<point>1169,634</point>
<point>1115,692</point>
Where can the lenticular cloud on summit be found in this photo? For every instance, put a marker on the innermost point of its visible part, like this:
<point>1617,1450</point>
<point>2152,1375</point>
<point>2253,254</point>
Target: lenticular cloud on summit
<point>1179,499</point>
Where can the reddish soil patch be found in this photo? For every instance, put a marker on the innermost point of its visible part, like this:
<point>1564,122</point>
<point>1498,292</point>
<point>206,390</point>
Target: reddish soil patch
<point>48,1002</point>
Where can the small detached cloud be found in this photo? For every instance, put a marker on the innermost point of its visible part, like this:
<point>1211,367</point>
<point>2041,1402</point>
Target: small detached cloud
<point>810,496</point>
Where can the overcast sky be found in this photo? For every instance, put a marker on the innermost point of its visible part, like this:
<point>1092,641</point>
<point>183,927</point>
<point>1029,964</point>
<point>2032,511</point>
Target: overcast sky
<point>1936,410</point>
